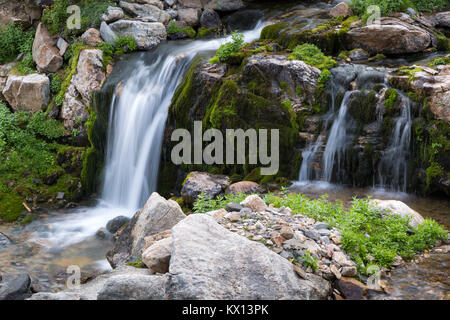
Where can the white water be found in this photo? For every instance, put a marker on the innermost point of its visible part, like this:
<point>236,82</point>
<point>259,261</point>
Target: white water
<point>136,126</point>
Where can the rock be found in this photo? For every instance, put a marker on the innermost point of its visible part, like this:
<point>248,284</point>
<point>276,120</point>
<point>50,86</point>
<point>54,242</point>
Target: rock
<point>312,234</point>
<point>107,34</point>
<point>335,271</point>
<point>157,215</point>
<point>28,93</point>
<point>146,12</point>
<point>210,19</point>
<point>224,5</point>
<point>287,232</point>
<point>60,196</point>
<point>245,187</point>
<point>341,10</point>
<point>349,271</point>
<point>321,225</point>
<point>300,272</point>
<point>157,256</point>
<point>170,3</point>
<point>101,233</point>
<point>62,46</point>
<point>22,12</point>
<point>217,214</point>
<point>147,34</point>
<point>395,207</point>
<point>341,259</point>
<point>358,54</point>
<point>197,182</point>
<point>392,36</point>
<point>351,288</point>
<point>398,261</point>
<point>325,240</point>
<point>210,262</point>
<point>45,52</point>
<point>233,216</point>
<point>55,296</point>
<point>255,203</point>
<point>115,224</point>
<point>190,16</point>
<point>150,240</point>
<point>133,287</point>
<point>113,14</point>
<point>310,245</point>
<point>15,287</point>
<point>442,19</point>
<point>233,207</point>
<point>197,4</point>
<point>4,241</point>
<point>91,37</point>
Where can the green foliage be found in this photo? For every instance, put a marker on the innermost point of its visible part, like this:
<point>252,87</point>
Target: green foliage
<point>56,84</point>
<point>391,97</point>
<point>226,50</point>
<point>310,261</point>
<point>204,203</point>
<point>313,56</point>
<point>13,41</point>
<point>137,264</point>
<point>173,28</point>
<point>122,44</point>
<point>439,61</point>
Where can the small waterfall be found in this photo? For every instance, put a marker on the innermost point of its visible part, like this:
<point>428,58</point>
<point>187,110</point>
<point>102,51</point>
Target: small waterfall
<point>308,156</point>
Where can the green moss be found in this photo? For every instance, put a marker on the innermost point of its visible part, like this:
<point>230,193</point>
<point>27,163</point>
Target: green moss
<point>391,99</point>
<point>272,31</point>
<point>313,56</point>
<point>362,108</point>
<point>443,43</point>
<point>254,175</point>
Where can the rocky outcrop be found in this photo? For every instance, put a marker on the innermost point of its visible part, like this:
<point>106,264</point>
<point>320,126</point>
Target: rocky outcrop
<point>392,36</point>
<point>147,34</point>
<point>156,216</point>
<point>395,207</point>
<point>45,52</point>
<point>197,182</point>
<point>210,19</point>
<point>29,93</point>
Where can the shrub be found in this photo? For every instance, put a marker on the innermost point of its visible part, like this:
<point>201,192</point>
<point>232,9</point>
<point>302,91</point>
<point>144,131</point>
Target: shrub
<point>313,56</point>
<point>13,41</point>
<point>55,86</point>
<point>226,50</point>
<point>55,17</point>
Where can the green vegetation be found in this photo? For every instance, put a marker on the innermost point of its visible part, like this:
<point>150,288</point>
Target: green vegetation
<point>137,264</point>
<point>313,56</point>
<point>173,28</point>
<point>368,237</point>
<point>14,41</point>
<point>439,61</point>
<point>226,50</point>
<point>122,45</point>
<point>310,261</point>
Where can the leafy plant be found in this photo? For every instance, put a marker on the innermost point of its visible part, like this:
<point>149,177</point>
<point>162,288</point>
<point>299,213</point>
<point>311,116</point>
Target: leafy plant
<point>13,41</point>
<point>310,261</point>
<point>173,28</point>
<point>226,50</point>
<point>312,55</point>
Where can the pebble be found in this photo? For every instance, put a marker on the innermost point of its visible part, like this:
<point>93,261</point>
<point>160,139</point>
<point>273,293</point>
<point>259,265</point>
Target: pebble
<point>312,234</point>
<point>234,207</point>
<point>324,232</point>
<point>325,239</point>
<point>321,225</point>
<point>287,232</point>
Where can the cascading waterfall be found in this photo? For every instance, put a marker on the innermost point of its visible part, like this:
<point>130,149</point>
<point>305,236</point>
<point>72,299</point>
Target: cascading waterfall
<point>136,127</point>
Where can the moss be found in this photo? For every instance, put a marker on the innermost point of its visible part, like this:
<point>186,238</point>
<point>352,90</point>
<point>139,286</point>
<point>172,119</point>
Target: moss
<point>362,108</point>
<point>391,99</point>
<point>254,175</point>
<point>443,43</point>
<point>11,207</point>
<point>272,31</point>
<point>223,112</point>
<point>207,33</point>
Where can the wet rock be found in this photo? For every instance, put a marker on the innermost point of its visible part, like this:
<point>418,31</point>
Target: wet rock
<point>4,241</point>
<point>197,182</point>
<point>28,93</point>
<point>255,203</point>
<point>245,187</point>
<point>210,19</point>
<point>147,34</point>
<point>442,19</point>
<point>233,207</point>
<point>358,54</point>
<point>91,37</point>
<point>113,14</point>
<point>190,16</point>
<point>392,36</point>
<point>115,224</point>
<point>157,256</point>
<point>157,215</point>
<point>224,5</point>
<point>45,52</point>
<point>351,288</point>
<point>341,10</point>
<point>395,207</point>
<point>107,34</point>
<point>101,233</point>
<point>210,262</point>
<point>15,287</point>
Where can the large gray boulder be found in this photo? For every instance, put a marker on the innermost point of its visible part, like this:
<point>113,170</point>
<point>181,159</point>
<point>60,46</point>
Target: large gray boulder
<point>210,262</point>
<point>157,215</point>
<point>45,52</point>
<point>197,182</point>
<point>392,36</point>
<point>28,93</point>
<point>147,34</point>
<point>210,19</point>
<point>190,16</point>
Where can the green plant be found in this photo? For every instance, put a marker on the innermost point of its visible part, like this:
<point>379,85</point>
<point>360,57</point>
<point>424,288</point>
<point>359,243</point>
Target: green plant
<point>55,17</point>
<point>13,41</point>
<point>55,85</point>
<point>313,56</point>
<point>204,204</point>
<point>173,28</point>
<point>226,50</point>
<point>310,261</point>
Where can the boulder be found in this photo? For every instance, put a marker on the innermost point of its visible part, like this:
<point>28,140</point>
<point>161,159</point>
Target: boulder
<point>133,287</point>
<point>245,187</point>
<point>147,34</point>
<point>91,37</point>
<point>189,15</point>
<point>145,12</point>
<point>4,72</point>
<point>28,93</point>
<point>157,215</point>
<point>115,224</point>
<point>23,12</point>
<point>210,262</point>
<point>107,34</point>
<point>157,256</point>
<point>255,203</point>
<point>442,19</point>
<point>392,36</point>
<point>197,182</point>
<point>351,289</point>
<point>15,287</point>
<point>395,207</point>
<point>224,5</point>
<point>45,52</point>
<point>157,3</point>
<point>113,14</point>
<point>62,46</point>
<point>210,19</point>
<point>341,10</point>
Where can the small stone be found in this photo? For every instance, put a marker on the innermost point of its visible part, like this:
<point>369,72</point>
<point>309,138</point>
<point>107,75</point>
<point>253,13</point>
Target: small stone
<point>321,225</point>
<point>312,234</point>
<point>62,46</point>
<point>324,232</point>
<point>91,37</point>
<point>233,216</point>
<point>342,9</point>
<point>101,233</point>
<point>349,271</point>
<point>279,240</point>
<point>300,272</point>
<point>287,232</point>
<point>325,239</point>
<point>233,207</point>
<point>341,259</point>
<point>246,210</point>
<point>335,271</point>
<point>255,203</point>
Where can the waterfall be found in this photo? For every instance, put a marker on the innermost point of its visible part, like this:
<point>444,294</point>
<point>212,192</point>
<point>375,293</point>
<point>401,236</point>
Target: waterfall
<point>136,126</point>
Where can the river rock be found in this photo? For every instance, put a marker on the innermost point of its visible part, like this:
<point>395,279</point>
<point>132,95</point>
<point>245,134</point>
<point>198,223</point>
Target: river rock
<point>210,19</point>
<point>210,262</point>
<point>197,182</point>
<point>233,207</point>
<point>157,215</point>
<point>4,241</point>
<point>157,256</point>
<point>91,37</point>
<point>224,5</point>
<point>351,288</point>
<point>395,207</point>
<point>115,224</point>
<point>28,93</point>
<point>113,14</point>
<point>147,34</point>
<point>45,52</point>
<point>442,19</point>
<point>392,36</point>
<point>341,10</point>
<point>255,203</point>
<point>107,34</point>
<point>245,187</point>
<point>15,287</point>
<point>146,12</point>
<point>189,15</point>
